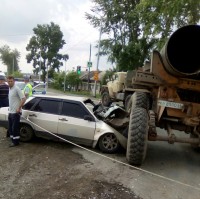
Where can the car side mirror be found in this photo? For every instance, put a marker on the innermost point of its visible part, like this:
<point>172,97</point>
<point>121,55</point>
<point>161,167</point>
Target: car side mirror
<point>88,117</point>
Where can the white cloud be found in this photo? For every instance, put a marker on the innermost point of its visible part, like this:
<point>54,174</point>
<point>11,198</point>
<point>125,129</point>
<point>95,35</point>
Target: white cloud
<point>19,17</point>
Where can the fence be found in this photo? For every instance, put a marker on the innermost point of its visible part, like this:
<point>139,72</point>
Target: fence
<point>89,87</point>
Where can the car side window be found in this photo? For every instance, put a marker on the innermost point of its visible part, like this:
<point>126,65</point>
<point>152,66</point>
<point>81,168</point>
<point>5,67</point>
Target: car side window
<point>73,110</point>
<point>30,104</point>
<point>47,106</point>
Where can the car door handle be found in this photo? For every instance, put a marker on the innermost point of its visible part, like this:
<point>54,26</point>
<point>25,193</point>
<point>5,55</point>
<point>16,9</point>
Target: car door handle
<point>33,115</point>
<point>63,119</point>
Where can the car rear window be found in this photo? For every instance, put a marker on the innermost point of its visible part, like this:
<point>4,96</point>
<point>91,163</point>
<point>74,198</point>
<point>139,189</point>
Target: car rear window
<point>47,106</point>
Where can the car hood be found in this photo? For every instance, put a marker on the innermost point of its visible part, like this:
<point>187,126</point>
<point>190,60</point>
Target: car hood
<point>4,113</point>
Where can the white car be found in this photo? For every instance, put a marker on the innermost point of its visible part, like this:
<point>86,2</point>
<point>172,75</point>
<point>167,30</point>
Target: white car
<point>40,88</point>
<point>68,117</point>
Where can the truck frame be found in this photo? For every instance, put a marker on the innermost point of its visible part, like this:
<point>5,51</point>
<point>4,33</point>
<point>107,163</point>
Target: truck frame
<point>167,95</point>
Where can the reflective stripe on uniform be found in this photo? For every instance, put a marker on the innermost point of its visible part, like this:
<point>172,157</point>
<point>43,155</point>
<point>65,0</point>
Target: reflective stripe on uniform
<point>16,137</point>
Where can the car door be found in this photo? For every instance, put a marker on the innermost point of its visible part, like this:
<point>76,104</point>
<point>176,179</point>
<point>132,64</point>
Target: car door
<point>73,126</point>
<point>44,116</point>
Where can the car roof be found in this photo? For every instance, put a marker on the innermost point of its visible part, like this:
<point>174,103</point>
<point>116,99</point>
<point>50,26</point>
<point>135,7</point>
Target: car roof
<point>67,97</point>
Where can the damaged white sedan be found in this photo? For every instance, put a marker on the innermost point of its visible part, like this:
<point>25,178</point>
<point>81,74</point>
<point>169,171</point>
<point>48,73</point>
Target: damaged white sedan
<point>67,117</point>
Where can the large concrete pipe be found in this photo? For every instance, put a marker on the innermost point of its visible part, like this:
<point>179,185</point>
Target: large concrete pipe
<point>181,53</point>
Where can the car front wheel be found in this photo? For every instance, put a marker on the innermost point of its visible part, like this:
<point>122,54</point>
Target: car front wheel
<point>108,143</point>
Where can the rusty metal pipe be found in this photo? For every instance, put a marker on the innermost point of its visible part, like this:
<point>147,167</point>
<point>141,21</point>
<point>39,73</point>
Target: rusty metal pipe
<point>179,54</point>
<point>176,139</point>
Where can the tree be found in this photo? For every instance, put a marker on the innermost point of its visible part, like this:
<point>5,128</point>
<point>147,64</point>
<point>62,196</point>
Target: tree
<point>10,58</point>
<point>136,27</point>
<point>72,80</point>
<point>165,19</point>
<point>107,77</point>
<point>44,49</point>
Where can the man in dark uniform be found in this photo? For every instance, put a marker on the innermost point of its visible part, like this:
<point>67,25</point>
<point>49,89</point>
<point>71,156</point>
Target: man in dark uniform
<point>4,90</point>
<point>16,101</point>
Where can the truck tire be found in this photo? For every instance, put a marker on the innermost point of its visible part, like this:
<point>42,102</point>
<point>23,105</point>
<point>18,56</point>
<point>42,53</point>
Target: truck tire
<point>128,103</point>
<point>105,98</point>
<point>137,136</point>
<point>140,99</point>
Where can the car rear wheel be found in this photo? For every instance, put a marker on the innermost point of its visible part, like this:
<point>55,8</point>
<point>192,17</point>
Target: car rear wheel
<point>26,133</point>
<point>108,143</point>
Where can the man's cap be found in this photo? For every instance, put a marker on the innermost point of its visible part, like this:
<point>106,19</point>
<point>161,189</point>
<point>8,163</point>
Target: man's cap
<point>26,78</point>
<point>2,77</point>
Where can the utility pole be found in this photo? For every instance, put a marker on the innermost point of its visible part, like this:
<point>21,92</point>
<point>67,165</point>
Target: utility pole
<point>65,76</point>
<point>13,64</point>
<point>89,70</point>
<point>40,67</point>
<point>47,78</point>
<point>97,69</point>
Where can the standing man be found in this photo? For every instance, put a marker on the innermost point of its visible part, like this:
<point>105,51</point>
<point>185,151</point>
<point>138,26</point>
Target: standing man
<point>28,88</point>
<point>16,101</point>
<point>4,90</point>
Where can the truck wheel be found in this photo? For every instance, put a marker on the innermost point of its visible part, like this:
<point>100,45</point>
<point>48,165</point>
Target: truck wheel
<point>105,98</point>
<point>137,136</point>
<point>108,143</point>
<point>26,133</point>
<point>128,103</point>
<point>140,99</point>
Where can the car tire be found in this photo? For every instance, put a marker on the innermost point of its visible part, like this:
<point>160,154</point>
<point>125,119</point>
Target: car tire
<point>108,143</point>
<point>105,98</point>
<point>137,137</point>
<point>26,133</point>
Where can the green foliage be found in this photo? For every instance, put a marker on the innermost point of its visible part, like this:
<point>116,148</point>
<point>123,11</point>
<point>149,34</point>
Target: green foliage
<point>18,74</point>
<point>135,28</point>
<point>59,79</point>
<point>72,80</point>
<point>166,16</point>
<point>10,58</point>
<point>44,49</point>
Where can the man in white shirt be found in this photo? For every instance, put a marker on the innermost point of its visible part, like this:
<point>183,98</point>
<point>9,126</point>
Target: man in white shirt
<point>16,101</point>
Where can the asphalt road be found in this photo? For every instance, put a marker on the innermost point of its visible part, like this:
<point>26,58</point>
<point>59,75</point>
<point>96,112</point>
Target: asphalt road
<point>175,170</point>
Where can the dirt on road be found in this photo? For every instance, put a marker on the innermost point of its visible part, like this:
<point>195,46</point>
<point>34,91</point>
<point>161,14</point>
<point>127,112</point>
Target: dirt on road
<point>47,169</point>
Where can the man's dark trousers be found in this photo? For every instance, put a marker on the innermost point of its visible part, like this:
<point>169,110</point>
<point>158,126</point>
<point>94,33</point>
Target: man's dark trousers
<point>13,120</point>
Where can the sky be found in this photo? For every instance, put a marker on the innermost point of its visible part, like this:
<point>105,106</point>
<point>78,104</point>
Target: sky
<point>19,17</point>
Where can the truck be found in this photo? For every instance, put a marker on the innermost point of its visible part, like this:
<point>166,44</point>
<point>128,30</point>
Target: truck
<point>120,88</point>
<point>165,95</point>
